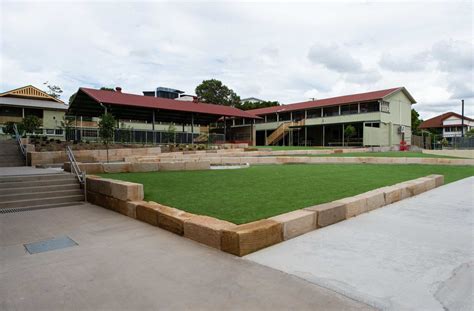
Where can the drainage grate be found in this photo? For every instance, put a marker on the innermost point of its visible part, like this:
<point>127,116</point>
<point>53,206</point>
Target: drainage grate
<point>32,208</point>
<point>50,245</point>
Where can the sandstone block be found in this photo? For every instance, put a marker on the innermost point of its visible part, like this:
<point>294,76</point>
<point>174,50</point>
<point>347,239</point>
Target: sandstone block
<point>439,179</point>
<point>99,185</point>
<point>374,199</point>
<point>172,219</point>
<point>206,230</point>
<point>91,168</point>
<point>148,212</point>
<point>144,167</point>
<point>296,223</point>
<point>247,238</point>
<point>392,194</point>
<point>171,166</point>
<point>120,167</point>
<point>416,186</point>
<point>328,213</point>
<point>354,205</point>
<point>195,166</point>
<point>126,191</point>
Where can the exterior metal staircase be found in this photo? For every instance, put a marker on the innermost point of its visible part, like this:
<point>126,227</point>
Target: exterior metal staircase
<point>280,132</point>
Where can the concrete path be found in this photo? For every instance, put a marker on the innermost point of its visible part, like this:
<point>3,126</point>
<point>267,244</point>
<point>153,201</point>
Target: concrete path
<point>124,264</point>
<point>416,254</point>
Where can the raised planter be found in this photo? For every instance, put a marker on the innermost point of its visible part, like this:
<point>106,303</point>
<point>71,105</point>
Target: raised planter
<point>126,198</point>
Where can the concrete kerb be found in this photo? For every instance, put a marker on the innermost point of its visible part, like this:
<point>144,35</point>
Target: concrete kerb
<point>244,239</point>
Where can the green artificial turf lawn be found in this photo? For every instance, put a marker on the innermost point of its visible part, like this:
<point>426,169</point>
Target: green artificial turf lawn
<point>245,195</point>
<point>388,154</point>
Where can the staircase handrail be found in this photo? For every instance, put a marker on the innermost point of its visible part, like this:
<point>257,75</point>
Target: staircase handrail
<point>81,176</point>
<point>18,140</point>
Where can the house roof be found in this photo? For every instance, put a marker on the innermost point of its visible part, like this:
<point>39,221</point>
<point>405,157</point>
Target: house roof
<point>125,99</point>
<point>30,92</point>
<point>346,99</point>
<point>438,120</point>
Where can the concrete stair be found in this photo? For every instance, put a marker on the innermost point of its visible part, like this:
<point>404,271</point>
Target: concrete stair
<point>39,191</point>
<point>10,154</point>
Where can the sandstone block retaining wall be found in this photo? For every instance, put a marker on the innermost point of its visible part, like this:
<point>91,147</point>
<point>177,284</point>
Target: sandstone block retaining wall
<point>240,240</point>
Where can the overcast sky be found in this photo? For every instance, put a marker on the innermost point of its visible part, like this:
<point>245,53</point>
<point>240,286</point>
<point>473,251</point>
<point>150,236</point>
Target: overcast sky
<point>281,51</point>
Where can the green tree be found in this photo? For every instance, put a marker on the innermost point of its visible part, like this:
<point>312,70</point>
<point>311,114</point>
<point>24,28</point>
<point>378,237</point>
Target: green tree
<point>263,104</point>
<point>170,134</point>
<point>470,133</point>
<point>8,128</point>
<point>106,130</point>
<point>349,131</point>
<point>215,92</point>
<point>415,122</point>
<point>53,90</point>
<point>31,123</point>
<point>104,88</point>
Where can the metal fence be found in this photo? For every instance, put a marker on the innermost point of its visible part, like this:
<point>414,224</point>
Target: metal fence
<point>131,136</point>
<point>455,143</point>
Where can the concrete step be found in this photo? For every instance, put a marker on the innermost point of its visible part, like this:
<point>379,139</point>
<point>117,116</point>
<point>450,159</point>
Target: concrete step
<point>5,158</point>
<point>35,183</point>
<point>13,164</point>
<point>38,195</point>
<point>70,185</point>
<point>37,207</point>
<point>8,142</point>
<point>13,150</point>
<point>42,201</point>
<point>38,177</point>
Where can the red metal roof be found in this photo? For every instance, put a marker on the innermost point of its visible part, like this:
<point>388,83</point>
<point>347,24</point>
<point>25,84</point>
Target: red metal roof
<point>438,120</point>
<point>119,98</point>
<point>346,99</point>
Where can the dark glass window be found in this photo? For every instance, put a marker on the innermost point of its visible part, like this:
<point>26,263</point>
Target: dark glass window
<point>331,111</point>
<point>271,117</point>
<point>284,116</point>
<point>10,112</point>
<point>349,109</point>
<point>298,115</point>
<point>314,113</point>
<point>369,107</point>
<point>34,112</point>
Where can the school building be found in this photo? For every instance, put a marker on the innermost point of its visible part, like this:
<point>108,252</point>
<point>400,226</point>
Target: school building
<point>380,118</point>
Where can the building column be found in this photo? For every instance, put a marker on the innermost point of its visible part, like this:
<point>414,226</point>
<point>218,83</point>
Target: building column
<point>305,136</point>
<point>324,135</point>
<point>153,126</point>
<point>265,143</point>
<point>343,134</point>
<point>225,130</point>
<point>192,129</point>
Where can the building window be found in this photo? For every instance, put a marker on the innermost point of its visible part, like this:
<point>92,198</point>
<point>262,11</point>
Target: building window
<point>369,107</point>
<point>314,113</point>
<point>284,116</point>
<point>372,124</point>
<point>349,109</point>
<point>271,117</point>
<point>49,132</point>
<point>385,106</point>
<point>10,112</point>
<point>34,112</point>
<point>331,111</point>
<point>298,115</point>
<point>59,131</point>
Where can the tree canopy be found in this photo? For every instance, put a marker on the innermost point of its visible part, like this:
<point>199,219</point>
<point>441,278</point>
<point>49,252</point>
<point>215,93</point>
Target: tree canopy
<point>415,122</point>
<point>53,90</point>
<point>215,92</point>
<point>247,105</point>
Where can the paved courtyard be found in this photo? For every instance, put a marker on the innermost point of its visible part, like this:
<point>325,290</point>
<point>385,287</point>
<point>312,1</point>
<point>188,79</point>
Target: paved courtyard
<point>124,264</point>
<point>416,254</point>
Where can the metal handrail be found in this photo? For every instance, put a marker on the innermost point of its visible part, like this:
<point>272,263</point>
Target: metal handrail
<point>18,140</point>
<point>81,176</point>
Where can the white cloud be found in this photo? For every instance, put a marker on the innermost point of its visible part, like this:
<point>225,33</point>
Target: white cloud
<point>277,51</point>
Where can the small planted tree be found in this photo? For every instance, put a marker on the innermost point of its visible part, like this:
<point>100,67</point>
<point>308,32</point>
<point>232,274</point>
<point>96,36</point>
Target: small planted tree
<point>349,132</point>
<point>106,130</point>
<point>31,123</point>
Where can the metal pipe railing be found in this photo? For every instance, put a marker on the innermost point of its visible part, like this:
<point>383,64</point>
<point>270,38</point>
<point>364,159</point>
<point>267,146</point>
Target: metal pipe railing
<point>75,169</point>
<point>18,140</point>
